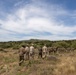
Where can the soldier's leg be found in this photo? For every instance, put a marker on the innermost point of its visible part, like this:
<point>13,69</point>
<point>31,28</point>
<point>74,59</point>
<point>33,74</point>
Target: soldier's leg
<point>28,55</point>
<point>25,56</point>
<point>46,54</point>
<point>32,56</point>
<point>20,60</point>
<point>39,55</point>
<point>43,55</point>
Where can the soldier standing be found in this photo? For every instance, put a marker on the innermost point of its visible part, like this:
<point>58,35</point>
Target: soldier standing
<point>21,54</point>
<point>31,52</point>
<point>27,52</point>
<point>40,53</point>
<point>44,51</point>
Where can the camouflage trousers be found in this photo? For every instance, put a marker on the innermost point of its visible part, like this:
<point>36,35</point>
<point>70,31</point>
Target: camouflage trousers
<point>31,55</point>
<point>44,54</point>
<point>21,59</point>
<point>26,56</point>
<point>40,55</point>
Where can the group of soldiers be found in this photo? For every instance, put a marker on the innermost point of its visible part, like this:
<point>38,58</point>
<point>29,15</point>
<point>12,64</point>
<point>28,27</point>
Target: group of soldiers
<point>27,53</point>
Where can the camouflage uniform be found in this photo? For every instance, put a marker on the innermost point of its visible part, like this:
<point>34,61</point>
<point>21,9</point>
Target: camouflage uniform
<point>44,51</point>
<point>27,52</point>
<point>21,55</point>
<point>31,52</point>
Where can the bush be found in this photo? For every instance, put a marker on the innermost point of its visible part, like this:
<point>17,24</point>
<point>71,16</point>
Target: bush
<point>73,45</point>
<point>61,44</point>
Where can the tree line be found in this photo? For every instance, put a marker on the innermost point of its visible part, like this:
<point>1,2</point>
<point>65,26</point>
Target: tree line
<point>39,43</point>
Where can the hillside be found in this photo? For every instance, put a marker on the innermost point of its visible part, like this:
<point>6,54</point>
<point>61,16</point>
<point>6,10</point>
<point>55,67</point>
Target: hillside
<point>62,62</point>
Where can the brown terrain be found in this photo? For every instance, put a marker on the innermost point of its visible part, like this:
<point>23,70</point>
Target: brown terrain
<point>55,64</point>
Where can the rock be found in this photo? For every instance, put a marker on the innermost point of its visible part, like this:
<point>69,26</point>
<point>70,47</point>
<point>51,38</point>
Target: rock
<point>52,58</point>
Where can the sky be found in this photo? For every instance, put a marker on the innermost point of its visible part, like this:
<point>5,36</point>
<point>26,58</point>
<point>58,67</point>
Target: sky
<point>37,19</point>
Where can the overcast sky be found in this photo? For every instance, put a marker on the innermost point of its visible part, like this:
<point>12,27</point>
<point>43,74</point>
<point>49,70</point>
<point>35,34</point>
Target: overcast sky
<point>37,19</point>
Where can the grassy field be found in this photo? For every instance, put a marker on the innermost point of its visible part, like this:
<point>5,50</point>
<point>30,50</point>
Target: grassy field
<point>54,64</point>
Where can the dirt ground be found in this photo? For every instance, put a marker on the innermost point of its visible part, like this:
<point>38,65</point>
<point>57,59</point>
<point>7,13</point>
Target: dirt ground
<point>54,64</point>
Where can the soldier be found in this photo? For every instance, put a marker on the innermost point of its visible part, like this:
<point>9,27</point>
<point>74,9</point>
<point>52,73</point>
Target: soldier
<point>27,52</point>
<point>21,54</point>
<point>44,51</point>
<point>40,53</point>
<point>31,52</point>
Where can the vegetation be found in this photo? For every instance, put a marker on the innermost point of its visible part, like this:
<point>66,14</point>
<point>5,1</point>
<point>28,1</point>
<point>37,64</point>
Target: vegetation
<point>60,63</point>
<point>39,43</point>
<point>55,64</point>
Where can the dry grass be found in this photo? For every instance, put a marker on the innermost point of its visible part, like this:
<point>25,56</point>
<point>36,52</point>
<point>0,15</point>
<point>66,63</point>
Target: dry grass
<point>55,64</point>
